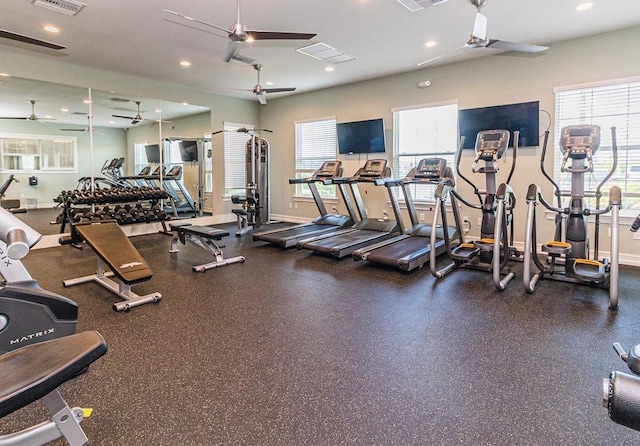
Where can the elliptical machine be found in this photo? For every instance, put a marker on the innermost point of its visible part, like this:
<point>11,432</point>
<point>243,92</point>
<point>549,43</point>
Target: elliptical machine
<point>495,248</point>
<point>28,314</point>
<point>568,255</point>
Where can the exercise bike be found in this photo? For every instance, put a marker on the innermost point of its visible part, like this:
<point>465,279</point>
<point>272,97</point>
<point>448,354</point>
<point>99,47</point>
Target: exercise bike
<point>28,314</point>
<point>568,254</point>
<point>495,248</point>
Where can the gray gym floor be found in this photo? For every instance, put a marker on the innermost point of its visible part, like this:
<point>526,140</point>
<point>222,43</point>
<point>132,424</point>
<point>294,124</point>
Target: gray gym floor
<point>295,348</point>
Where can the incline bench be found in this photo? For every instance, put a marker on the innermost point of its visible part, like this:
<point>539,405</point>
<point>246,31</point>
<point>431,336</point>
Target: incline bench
<point>115,250</point>
<point>35,372</point>
<point>204,237</point>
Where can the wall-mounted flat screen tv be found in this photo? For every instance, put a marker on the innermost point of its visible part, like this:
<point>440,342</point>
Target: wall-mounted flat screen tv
<point>361,137</point>
<point>153,153</point>
<point>188,150</point>
<point>523,117</point>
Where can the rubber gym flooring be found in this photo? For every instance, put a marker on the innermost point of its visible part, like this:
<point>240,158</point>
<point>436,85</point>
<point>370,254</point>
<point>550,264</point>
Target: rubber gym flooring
<point>296,348</point>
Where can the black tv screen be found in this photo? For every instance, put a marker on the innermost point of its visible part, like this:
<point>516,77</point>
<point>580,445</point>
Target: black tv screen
<point>523,117</point>
<point>153,153</point>
<point>188,150</point>
<point>361,137</point>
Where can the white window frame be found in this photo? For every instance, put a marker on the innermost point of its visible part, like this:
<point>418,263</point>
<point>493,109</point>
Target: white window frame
<point>592,104</point>
<point>235,171</point>
<point>437,139</point>
<point>64,156</point>
<point>315,143</point>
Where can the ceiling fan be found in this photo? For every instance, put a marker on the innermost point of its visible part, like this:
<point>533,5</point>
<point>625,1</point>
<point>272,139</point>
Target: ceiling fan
<point>31,117</point>
<point>86,129</point>
<point>134,119</point>
<point>4,34</point>
<point>238,33</point>
<point>261,92</point>
<point>478,38</point>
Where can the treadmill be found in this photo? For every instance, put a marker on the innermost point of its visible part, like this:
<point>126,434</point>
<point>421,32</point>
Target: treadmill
<point>325,223</point>
<point>368,230</point>
<point>412,249</point>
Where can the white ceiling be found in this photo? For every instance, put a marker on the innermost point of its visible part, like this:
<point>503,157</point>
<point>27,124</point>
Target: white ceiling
<point>136,37</point>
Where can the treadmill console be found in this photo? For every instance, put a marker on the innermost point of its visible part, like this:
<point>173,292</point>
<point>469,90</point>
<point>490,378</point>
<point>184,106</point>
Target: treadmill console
<point>580,141</point>
<point>491,144</point>
<point>374,168</point>
<point>330,169</point>
<point>432,168</point>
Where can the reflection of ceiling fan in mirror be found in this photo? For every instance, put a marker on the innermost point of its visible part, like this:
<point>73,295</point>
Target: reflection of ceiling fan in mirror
<point>86,129</point>
<point>238,33</point>
<point>134,119</point>
<point>261,92</point>
<point>30,40</point>
<point>31,117</point>
<point>478,38</point>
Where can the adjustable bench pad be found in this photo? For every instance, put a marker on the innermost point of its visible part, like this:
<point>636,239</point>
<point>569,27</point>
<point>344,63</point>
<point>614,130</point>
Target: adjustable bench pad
<point>116,250</point>
<point>31,372</point>
<point>203,231</point>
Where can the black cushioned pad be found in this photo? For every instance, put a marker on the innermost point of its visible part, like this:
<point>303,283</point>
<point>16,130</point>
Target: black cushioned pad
<point>29,373</point>
<point>116,250</point>
<point>204,231</point>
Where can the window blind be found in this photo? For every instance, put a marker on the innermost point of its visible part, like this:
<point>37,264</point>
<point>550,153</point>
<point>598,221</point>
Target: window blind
<point>614,105</point>
<point>316,143</point>
<point>234,158</point>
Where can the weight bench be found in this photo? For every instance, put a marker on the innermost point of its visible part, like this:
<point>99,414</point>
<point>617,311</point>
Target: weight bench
<point>204,237</point>
<point>35,372</point>
<point>115,250</point>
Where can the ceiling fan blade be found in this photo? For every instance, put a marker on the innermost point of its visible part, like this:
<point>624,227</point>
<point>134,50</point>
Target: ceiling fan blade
<point>30,40</point>
<point>262,98</point>
<point>442,56</point>
<point>22,118</point>
<point>480,27</point>
<point>276,35</point>
<point>514,46</point>
<point>278,90</point>
<point>123,117</point>
<point>231,50</point>
<point>243,58</point>
<point>193,19</point>
<point>74,130</point>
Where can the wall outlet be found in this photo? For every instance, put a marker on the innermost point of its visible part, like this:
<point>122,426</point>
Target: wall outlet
<point>290,205</point>
<point>479,221</point>
<point>465,219</point>
<point>421,216</point>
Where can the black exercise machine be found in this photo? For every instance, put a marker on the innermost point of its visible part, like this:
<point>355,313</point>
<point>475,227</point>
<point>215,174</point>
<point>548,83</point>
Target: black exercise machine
<point>368,230</point>
<point>28,314</point>
<point>323,224</point>
<point>412,249</point>
<point>568,253</point>
<point>621,391</point>
<point>35,372</point>
<point>14,204</point>
<point>494,249</point>
<point>115,251</point>
<point>204,237</point>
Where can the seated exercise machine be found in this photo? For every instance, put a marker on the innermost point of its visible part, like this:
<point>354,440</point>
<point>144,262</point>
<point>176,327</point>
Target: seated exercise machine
<point>255,210</point>
<point>323,224</point>
<point>568,254</point>
<point>412,249</point>
<point>204,237</point>
<point>367,231</point>
<point>115,250</point>
<point>28,314</point>
<point>494,249</point>
<point>14,204</point>
<point>34,372</point>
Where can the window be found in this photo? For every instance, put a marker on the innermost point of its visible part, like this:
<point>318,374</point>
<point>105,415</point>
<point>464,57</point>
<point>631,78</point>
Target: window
<point>315,144</point>
<point>611,105</point>
<point>29,153</point>
<point>428,131</point>
<point>235,181</point>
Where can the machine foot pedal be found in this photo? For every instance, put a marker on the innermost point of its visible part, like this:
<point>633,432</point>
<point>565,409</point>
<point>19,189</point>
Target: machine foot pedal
<point>589,269</point>
<point>465,251</point>
<point>557,249</point>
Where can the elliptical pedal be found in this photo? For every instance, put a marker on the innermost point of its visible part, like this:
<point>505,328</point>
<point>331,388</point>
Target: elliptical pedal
<point>588,269</point>
<point>465,251</point>
<point>556,248</point>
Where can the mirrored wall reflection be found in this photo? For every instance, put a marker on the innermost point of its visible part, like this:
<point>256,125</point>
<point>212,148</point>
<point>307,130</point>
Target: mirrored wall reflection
<point>46,142</point>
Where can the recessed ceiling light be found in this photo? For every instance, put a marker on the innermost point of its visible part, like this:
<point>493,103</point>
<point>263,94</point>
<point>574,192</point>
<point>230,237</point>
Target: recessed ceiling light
<point>268,83</point>
<point>4,74</point>
<point>185,63</point>
<point>185,103</point>
<point>430,43</point>
<point>158,110</point>
<point>64,110</point>
<point>48,116</point>
<point>51,29</point>
<point>584,6</point>
<point>112,122</point>
<point>86,101</point>
<point>329,69</point>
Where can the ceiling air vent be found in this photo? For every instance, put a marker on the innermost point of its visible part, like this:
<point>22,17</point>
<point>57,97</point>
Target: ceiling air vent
<point>68,7</point>
<point>417,5</point>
